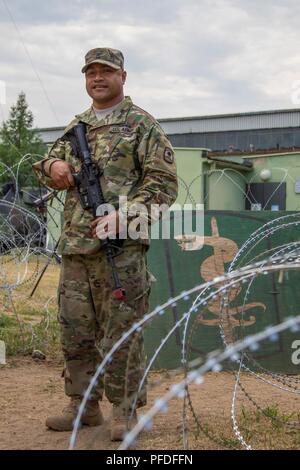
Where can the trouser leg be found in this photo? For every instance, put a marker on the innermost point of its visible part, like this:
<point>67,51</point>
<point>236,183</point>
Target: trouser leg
<point>123,374</point>
<point>78,328</point>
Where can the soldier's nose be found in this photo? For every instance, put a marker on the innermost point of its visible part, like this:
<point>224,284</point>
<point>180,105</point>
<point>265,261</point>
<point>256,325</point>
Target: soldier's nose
<point>99,76</point>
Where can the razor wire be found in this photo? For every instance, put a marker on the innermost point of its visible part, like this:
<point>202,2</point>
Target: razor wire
<point>247,273</point>
<point>24,254</point>
<point>25,244</point>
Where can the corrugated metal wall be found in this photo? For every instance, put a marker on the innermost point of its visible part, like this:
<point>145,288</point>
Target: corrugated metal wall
<point>263,130</point>
<point>237,122</point>
<point>285,138</point>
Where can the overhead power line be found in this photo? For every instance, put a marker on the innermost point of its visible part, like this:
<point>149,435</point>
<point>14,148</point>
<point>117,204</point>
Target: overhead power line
<point>30,60</point>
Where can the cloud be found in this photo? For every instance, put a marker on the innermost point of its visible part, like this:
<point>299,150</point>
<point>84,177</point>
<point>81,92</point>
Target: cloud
<point>183,58</point>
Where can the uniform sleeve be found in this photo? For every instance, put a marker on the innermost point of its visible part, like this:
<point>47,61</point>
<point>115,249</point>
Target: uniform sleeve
<point>60,150</point>
<point>159,176</point>
<point>42,168</point>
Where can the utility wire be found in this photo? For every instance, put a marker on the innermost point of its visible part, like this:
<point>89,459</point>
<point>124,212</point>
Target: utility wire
<point>30,60</point>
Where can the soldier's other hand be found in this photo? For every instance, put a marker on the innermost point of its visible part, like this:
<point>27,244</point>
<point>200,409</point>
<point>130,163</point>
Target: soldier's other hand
<point>61,174</point>
<point>106,226</point>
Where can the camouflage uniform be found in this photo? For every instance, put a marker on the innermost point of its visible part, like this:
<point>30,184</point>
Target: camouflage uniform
<point>135,160</point>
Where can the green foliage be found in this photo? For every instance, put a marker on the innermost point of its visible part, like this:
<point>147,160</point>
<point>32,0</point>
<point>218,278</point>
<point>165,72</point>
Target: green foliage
<point>23,337</point>
<point>278,419</point>
<point>18,138</point>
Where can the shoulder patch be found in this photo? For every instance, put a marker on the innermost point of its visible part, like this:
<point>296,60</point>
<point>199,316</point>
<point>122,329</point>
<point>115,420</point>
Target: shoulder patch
<point>168,155</point>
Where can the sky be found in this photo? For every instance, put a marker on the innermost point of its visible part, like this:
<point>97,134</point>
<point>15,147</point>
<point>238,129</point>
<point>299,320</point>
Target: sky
<point>183,57</point>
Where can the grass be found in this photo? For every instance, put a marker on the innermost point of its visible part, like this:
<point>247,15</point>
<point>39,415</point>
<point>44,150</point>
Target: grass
<point>29,323</point>
<point>24,337</point>
<point>270,427</point>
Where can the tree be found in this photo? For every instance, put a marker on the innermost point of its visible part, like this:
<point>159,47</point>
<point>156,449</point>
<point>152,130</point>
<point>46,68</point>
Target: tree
<point>18,138</point>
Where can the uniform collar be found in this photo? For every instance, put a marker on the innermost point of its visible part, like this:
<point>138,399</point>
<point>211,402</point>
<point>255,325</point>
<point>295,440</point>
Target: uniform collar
<point>118,116</point>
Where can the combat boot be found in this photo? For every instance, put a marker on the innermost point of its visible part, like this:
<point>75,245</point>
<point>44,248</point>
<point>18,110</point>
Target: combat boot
<point>92,416</point>
<point>121,423</point>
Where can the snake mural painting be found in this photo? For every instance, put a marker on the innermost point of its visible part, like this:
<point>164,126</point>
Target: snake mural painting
<point>229,244</point>
<point>214,266</point>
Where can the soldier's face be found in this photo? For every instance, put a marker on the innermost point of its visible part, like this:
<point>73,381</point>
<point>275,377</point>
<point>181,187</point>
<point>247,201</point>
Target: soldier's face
<point>105,85</point>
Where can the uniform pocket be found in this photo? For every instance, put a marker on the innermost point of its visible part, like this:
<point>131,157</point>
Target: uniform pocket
<point>121,154</point>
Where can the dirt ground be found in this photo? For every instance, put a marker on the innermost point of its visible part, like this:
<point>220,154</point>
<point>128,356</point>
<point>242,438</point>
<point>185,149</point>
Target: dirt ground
<point>31,390</point>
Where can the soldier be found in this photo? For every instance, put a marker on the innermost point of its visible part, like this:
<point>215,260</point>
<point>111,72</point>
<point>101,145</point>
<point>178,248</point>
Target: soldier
<point>136,160</point>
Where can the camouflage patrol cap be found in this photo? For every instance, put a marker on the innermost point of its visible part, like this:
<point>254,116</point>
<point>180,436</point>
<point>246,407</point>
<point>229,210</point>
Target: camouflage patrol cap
<point>104,55</point>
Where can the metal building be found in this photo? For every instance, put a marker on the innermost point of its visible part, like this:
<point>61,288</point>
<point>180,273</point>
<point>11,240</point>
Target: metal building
<point>252,131</point>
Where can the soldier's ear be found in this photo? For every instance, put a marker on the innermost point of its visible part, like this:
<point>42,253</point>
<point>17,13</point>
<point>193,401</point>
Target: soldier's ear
<point>124,76</point>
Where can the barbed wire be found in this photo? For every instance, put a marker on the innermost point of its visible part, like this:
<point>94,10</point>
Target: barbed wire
<point>24,255</point>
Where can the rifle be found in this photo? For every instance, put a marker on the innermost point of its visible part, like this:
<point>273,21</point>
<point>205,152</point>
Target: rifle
<point>91,197</point>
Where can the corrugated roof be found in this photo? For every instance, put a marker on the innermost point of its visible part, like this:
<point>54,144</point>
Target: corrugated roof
<point>273,119</point>
<point>233,122</point>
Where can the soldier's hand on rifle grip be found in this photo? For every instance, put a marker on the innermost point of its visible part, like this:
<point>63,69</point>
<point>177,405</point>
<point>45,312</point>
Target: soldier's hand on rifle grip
<point>61,174</point>
<point>106,226</point>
